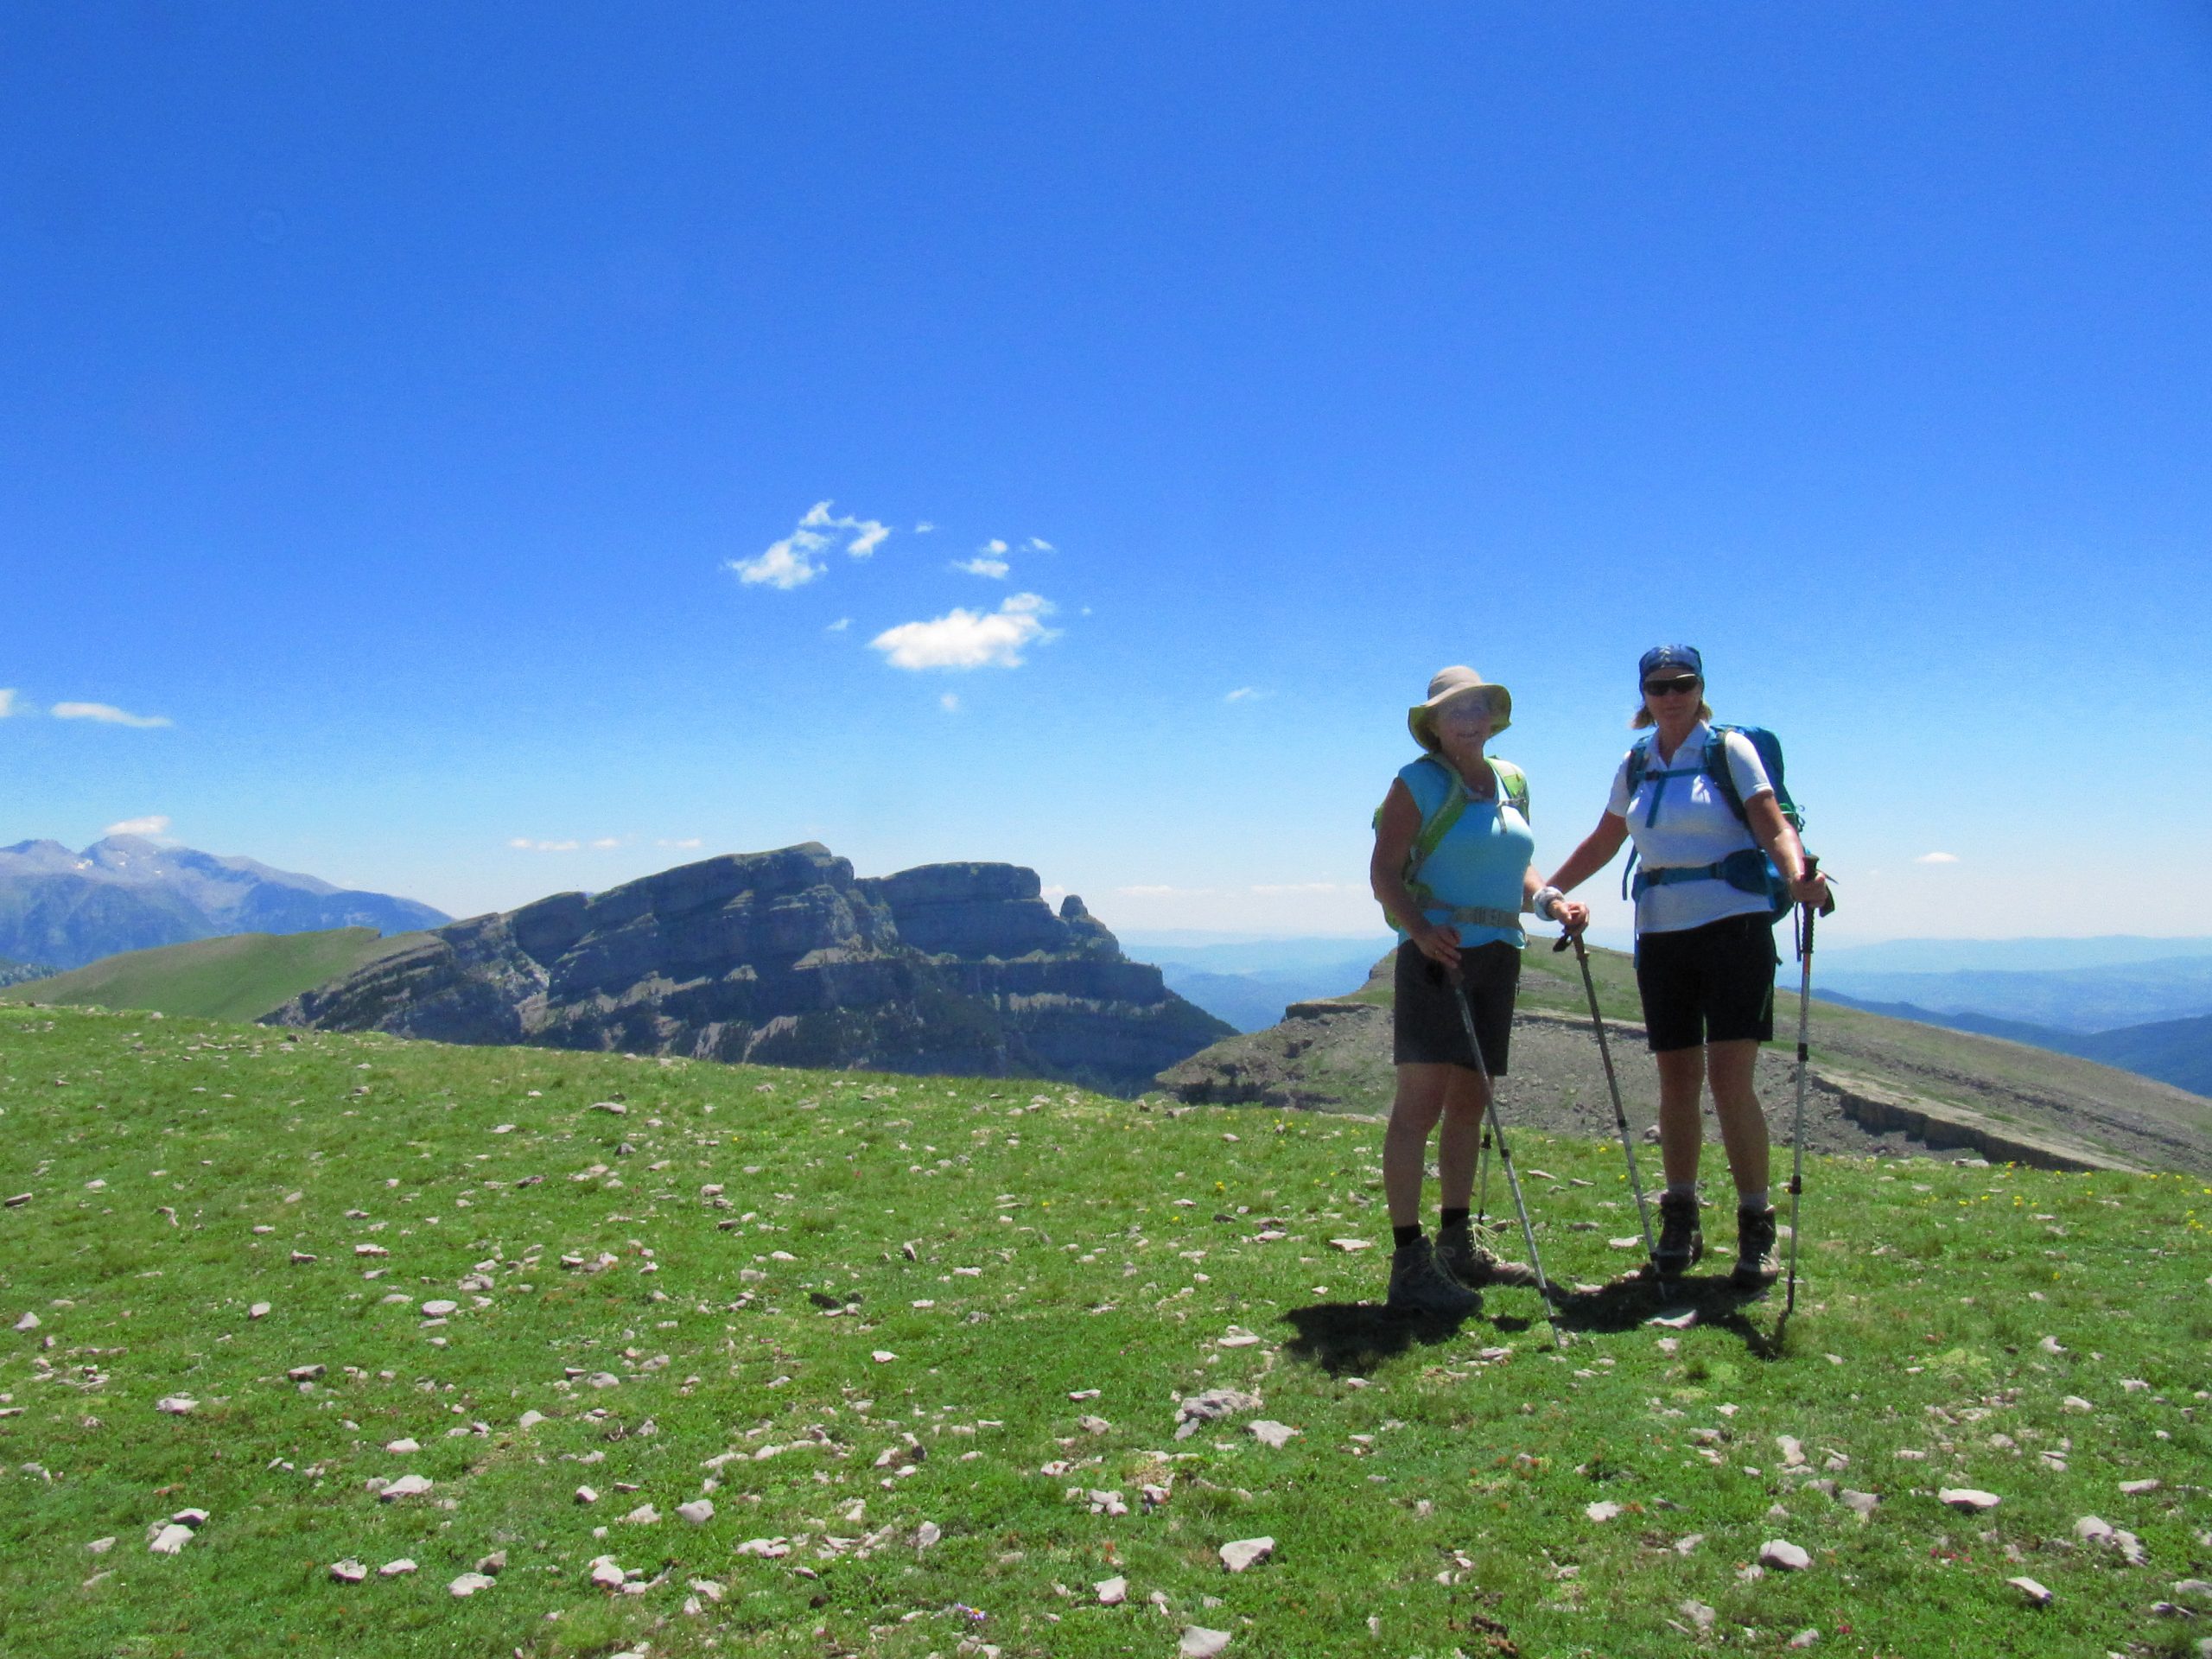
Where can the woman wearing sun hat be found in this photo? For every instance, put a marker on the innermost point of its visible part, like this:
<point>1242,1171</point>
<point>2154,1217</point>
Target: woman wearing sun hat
<point>1705,954</point>
<point>1452,870</point>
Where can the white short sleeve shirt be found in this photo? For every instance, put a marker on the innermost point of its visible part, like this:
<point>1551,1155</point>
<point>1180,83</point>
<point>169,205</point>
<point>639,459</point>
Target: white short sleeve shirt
<point>1692,826</point>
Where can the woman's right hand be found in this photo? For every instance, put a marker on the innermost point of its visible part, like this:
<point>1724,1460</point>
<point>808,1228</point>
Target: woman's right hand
<point>1570,915</point>
<point>1438,943</point>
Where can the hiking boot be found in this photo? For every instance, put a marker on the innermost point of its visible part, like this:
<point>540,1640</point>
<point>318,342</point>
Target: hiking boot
<point>1681,1242</point>
<point>1756,1264</point>
<point>1419,1284</point>
<point>1474,1263</point>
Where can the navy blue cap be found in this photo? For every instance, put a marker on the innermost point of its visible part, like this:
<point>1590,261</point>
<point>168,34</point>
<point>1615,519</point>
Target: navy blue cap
<point>1669,657</point>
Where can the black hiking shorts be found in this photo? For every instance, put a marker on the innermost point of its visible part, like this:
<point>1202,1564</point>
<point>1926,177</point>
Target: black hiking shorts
<point>1425,1027</point>
<point>1710,984</point>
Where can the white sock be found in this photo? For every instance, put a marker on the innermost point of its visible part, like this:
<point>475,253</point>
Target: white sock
<point>1752,1201</point>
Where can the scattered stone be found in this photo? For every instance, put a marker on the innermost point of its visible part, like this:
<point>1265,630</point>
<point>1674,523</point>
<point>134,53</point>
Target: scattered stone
<point>1861,1503</point>
<point>587,1495</point>
<point>300,1258</point>
<point>1246,1552</point>
<point>883,1356</point>
<point>1347,1245</point>
<point>307,1373</point>
<point>1780,1553</point>
<point>927,1534</point>
<point>1968,1498</point>
<point>1212,1404</point>
<point>468,1584</point>
<point>2035,1594</point>
<point>2076,1402</point>
<point>607,1573</point>
<point>398,1569</point>
<point>258,1310</point>
<point>698,1511</point>
<point>1793,1451</point>
<point>401,1447</point>
<point>349,1572</point>
<point>768,1548</point>
<point>530,1419</point>
<point>2093,1529</point>
<point>494,1564</point>
<point>1604,1510</point>
<point>1236,1336</point>
<point>1804,1638</point>
<point>1697,1613</point>
<point>2051,1345</point>
<point>1270,1433</point>
<point>2137,1488</point>
<point>438,1310</point>
<point>614,1106</point>
<point>28,1322</point>
<point>18,1200</point>
<point>101,1546</point>
<point>193,1518</point>
<point>644,1516</point>
<point>2193,1589</point>
<point>405,1486</point>
<point>1094,1425</point>
<point>176,1404</point>
<point>1200,1643</point>
<point>1687,1543</point>
<point>1677,1322</point>
<point>170,1539</point>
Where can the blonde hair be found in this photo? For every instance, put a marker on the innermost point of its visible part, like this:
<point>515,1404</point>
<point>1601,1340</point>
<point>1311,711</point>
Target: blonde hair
<point>1642,716</point>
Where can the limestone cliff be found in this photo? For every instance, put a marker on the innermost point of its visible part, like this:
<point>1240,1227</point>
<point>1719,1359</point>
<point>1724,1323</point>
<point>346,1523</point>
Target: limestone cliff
<point>786,958</point>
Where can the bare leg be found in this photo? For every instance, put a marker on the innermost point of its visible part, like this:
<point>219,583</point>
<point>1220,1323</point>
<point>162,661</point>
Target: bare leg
<point>1743,1123</point>
<point>1681,1128</point>
<point>1466,1097</point>
<point>1414,1113</point>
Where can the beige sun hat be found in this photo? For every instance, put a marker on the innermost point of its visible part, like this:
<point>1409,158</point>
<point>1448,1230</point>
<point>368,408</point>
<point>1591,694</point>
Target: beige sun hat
<point>1455,681</point>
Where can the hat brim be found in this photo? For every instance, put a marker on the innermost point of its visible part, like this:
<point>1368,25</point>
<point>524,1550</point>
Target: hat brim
<point>1501,703</point>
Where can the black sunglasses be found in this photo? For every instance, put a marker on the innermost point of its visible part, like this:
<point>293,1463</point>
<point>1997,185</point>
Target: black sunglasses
<point>1683,684</point>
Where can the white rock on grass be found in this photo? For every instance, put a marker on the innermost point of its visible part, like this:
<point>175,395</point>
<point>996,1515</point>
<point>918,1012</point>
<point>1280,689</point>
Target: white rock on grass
<point>1603,1510</point>
<point>1862,1503</point>
<point>767,1549</point>
<point>438,1310</point>
<point>698,1511</point>
<point>587,1495</point>
<point>1782,1554</point>
<point>1200,1643</point>
<point>883,1356</point>
<point>1969,1498</point>
<point>398,1569</point>
<point>1205,1408</point>
<point>401,1447</point>
<point>2035,1594</point>
<point>530,1419</point>
<point>170,1539</point>
<point>1697,1613</point>
<point>607,1573</point>
<point>468,1584</point>
<point>1112,1592</point>
<point>28,1322</point>
<point>1793,1451</point>
<point>258,1310</point>
<point>644,1516</point>
<point>100,1546</point>
<point>1804,1638</point>
<point>1270,1433</point>
<point>176,1404</point>
<point>2137,1488</point>
<point>927,1534</point>
<point>1246,1553</point>
<point>405,1486</point>
<point>349,1572</point>
<point>1347,1245</point>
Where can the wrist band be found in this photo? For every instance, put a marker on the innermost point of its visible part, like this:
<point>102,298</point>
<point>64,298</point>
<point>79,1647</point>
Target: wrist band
<point>1546,902</point>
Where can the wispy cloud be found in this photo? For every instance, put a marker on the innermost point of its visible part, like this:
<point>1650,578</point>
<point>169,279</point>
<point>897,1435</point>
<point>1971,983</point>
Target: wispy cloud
<point>107,715</point>
<point>152,824</point>
<point>797,560</point>
<point>1037,544</point>
<point>949,702</point>
<point>1937,858</point>
<point>605,844</point>
<point>839,625</point>
<point>964,638</point>
<point>1245,693</point>
<point>7,701</point>
<point>984,565</point>
<point>684,845</point>
<point>924,528</point>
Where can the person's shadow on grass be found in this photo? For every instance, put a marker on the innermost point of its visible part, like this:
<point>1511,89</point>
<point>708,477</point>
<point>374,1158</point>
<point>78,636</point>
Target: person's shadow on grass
<point>1351,1339</point>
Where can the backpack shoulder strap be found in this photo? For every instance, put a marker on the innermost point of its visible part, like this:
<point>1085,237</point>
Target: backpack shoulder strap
<point>1513,785</point>
<point>1724,777</point>
<point>1438,823</point>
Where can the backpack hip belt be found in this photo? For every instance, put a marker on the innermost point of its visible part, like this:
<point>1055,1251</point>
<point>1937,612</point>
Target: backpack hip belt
<point>1507,921</point>
<point>1744,870</point>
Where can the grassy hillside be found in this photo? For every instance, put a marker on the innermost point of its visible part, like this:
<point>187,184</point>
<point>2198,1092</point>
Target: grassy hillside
<point>240,976</point>
<point>920,1342</point>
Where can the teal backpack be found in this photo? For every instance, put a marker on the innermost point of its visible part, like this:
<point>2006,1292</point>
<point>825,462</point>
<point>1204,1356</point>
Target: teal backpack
<point>1748,871</point>
<point>1512,788</point>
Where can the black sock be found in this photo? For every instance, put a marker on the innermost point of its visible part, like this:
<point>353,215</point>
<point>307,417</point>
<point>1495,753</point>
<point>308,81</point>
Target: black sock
<point>1409,1233</point>
<point>1454,1217</point>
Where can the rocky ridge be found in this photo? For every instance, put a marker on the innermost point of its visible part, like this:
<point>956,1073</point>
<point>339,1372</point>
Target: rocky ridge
<point>788,958</point>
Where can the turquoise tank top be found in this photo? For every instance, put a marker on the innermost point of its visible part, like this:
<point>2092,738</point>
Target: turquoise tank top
<point>1481,861</point>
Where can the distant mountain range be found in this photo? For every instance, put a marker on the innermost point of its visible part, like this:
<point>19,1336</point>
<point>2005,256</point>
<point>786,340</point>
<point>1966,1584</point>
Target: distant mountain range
<point>2178,1052</point>
<point>1248,982</point>
<point>2083,998</point>
<point>129,893</point>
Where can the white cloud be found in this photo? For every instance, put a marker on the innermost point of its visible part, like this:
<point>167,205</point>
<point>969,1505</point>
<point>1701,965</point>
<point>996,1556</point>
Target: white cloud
<point>1937,858</point>
<point>984,565</point>
<point>963,639</point>
<point>107,715</point>
<point>1038,544</point>
<point>839,625</point>
<point>525,844</point>
<point>795,560</point>
<point>684,845</point>
<point>924,528</point>
<point>994,546</point>
<point>605,844</point>
<point>949,702</point>
<point>153,824</point>
<point>7,701</point>
<point>1245,693</point>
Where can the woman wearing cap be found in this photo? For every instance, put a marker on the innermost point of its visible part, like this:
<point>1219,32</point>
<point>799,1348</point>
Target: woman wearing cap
<point>1451,870</point>
<point>1705,954</point>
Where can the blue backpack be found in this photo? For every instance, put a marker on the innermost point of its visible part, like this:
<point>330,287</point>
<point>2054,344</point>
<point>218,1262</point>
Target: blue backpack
<point>1748,871</point>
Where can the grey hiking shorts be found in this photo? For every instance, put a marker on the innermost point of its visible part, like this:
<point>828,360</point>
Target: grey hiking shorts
<point>1425,1027</point>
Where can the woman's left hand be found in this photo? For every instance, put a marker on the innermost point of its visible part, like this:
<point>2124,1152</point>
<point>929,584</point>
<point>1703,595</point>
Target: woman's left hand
<point>1810,890</point>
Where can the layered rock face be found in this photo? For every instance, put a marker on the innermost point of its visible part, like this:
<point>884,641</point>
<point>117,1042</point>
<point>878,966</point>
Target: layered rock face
<point>786,958</point>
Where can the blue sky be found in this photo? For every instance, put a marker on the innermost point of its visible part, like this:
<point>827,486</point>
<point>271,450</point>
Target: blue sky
<point>394,399</point>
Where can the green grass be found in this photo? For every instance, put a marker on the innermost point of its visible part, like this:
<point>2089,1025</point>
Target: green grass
<point>1010,1245</point>
<point>238,976</point>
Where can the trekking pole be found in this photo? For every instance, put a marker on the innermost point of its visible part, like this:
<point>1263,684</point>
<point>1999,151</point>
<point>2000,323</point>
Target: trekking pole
<point>1612,1082</point>
<point>1806,916</point>
<point>1505,1154</point>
